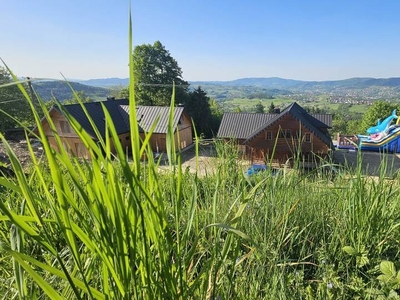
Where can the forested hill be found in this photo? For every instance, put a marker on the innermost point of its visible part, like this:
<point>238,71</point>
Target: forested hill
<point>62,91</point>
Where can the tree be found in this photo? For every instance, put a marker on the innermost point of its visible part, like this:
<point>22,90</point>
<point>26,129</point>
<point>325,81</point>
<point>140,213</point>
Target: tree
<point>118,92</point>
<point>155,71</point>
<point>13,103</point>
<point>353,127</point>
<point>216,116</point>
<point>259,108</point>
<point>339,124</point>
<point>379,110</point>
<point>82,97</point>
<point>198,108</point>
<point>271,108</point>
<point>315,110</point>
<point>124,93</point>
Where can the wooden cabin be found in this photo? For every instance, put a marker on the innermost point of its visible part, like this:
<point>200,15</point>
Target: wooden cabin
<point>280,136</point>
<point>119,112</point>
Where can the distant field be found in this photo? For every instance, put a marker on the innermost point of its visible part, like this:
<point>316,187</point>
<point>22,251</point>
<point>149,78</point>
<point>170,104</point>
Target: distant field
<point>245,104</point>
<point>357,108</point>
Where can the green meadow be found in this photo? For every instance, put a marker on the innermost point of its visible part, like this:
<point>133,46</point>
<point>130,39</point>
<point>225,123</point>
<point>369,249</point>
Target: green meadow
<point>248,105</point>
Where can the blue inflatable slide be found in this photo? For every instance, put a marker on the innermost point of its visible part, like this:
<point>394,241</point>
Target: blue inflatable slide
<point>384,137</point>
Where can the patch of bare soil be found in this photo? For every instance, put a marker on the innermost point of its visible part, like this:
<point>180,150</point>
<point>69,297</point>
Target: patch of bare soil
<point>205,163</point>
<point>20,148</point>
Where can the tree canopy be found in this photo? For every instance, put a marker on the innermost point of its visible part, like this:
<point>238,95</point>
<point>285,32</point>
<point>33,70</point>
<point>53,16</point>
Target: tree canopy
<point>155,71</point>
<point>259,108</point>
<point>379,110</point>
<point>271,108</point>
<point>216,115</point>
<point>198,108</point>
<point>13,103</point>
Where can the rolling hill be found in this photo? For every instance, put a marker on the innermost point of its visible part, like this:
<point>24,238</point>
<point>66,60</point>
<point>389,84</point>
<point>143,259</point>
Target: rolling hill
<point>61,90</point>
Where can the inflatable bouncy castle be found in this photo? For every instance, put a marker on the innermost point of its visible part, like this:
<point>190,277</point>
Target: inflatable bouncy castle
<point>384,137</point>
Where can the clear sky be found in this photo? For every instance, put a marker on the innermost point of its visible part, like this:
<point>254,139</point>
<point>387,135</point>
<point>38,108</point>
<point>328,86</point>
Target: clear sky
<point>211,40</point>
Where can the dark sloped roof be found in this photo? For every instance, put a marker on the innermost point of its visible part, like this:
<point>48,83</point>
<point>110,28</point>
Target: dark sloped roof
<point>326,119</point>
<point>96,112</point>
<point>300,114</point>
<point>147,116</point>
<point>241,125</point>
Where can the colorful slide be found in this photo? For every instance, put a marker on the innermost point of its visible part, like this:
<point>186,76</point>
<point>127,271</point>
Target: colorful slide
<point>383,137</point>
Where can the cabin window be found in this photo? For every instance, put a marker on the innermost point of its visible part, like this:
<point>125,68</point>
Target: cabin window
<point>268,135</point>
<point>284,133</point>
<point>65,128</point>
<point>307,137</point>
<point>127,138</point>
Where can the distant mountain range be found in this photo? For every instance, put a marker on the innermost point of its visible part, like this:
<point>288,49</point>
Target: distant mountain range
<point>361,88</point>
<point>371,88</point>
<point>105,82</point>
<point>281,83</point>
<point>270,82</point>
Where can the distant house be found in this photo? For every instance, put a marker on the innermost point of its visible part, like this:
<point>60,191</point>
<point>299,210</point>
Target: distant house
<point>278,136</point>
<point>119,112</point>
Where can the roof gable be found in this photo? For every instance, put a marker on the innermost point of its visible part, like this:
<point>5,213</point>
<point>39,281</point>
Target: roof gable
<point>243,125</point>
<point>313,124</point>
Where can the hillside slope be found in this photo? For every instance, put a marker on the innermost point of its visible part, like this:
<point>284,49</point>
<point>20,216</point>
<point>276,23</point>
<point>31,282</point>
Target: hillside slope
<point>61,90</point>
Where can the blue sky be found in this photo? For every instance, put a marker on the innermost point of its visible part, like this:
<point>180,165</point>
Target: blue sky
<point>211,40</point>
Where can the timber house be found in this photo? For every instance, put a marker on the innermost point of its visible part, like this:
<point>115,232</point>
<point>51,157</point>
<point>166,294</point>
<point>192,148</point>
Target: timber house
<point>280,136</point>
<point>119,112</point>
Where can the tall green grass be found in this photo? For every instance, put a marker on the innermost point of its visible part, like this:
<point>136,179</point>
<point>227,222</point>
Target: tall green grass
<point>111,228</point>
<point>117,228</point>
